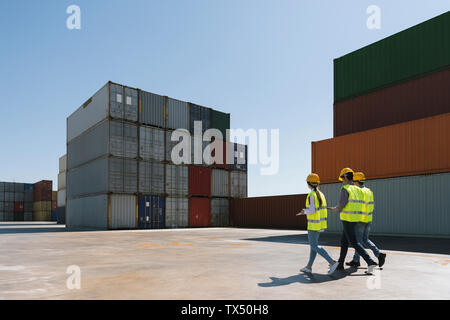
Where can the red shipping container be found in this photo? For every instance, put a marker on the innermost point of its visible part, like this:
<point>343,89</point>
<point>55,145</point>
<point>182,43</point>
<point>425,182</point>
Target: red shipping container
<point>412,100</point>
<point>199,212</point>
<point>54,205</point>
<point>18,206</point>
<point>43,190</point>
<point>199,181</point>
<point>269,212</point>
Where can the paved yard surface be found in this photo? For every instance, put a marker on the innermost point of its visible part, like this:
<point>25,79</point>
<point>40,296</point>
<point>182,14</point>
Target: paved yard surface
<point>213,263</point>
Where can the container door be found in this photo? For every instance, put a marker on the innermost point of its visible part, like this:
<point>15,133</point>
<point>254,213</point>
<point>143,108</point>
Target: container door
<point>158,217</point>
<point>144,216</point>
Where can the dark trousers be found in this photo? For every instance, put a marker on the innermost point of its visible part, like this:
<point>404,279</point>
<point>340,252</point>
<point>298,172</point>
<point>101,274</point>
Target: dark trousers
<point>349,236</point>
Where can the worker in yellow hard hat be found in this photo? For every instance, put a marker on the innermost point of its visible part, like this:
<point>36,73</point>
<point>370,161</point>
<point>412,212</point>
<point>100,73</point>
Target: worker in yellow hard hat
<point>316,213</point>
<point>351,208</point>
<point>363,227</point>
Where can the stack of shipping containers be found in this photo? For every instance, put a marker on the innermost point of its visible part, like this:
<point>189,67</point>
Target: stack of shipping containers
<point>120,169</point>
<point>61,196</point>
<point>392,121</point>
<point>43,197</point>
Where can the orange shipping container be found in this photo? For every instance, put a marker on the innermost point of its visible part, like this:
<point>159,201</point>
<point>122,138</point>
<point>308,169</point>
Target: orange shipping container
<point>410,148</point>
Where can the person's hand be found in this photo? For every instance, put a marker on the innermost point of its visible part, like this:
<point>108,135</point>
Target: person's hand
<point>301,212</point>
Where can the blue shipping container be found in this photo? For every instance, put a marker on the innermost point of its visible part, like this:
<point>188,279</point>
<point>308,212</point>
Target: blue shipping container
<point>28,187</point>
<point>199,113</point>
<point>151,212</point>
<point>54,216</point>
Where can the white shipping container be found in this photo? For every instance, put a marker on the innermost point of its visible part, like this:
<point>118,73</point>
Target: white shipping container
<point>63,163</point>
<point>177,180</point>
<point>220,183</point>
<point>61,201</point>
<point>151,143</point>
<point>62,180</point>
<point>238,187</point>
<point>177,114</point>
<point>177,212</point>
<point>123,211</point>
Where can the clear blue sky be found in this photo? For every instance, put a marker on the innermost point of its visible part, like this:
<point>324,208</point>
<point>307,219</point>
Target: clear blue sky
<point>268,63</point>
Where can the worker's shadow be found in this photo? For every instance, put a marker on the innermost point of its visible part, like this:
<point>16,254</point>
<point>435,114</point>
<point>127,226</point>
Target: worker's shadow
<point>309,278</point>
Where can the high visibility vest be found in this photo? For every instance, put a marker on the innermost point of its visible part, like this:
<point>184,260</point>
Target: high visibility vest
<point>318,220</point>
<point>353,210</point>
<point>368,205</point>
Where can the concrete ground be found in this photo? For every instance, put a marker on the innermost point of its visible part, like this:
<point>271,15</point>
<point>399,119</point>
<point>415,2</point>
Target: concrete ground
<point>213,263</point>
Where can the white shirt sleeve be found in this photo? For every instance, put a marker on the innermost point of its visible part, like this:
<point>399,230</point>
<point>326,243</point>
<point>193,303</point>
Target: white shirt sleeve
<point>312,207</point>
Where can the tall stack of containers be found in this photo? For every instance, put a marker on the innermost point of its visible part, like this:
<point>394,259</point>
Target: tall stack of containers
<point>120,169</point>
<point>61,197</point>
<point>28,189</point>
<point>42,195</point>
<point>392,121</point>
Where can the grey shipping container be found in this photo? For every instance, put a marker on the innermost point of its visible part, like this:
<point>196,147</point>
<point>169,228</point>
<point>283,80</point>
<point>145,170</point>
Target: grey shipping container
<point>2,216</point>
<point>18,187</point>
<point>8,207</point>
<point>61,202</point>
<point>9,196</point>
<point>177,180</point>
<point>61,215</point>
<point>220,212</point>
<point>151,109</point>
<point>102,212</point>
<point>238,188</point>
<point>186,145</point>
<point>28,196</point>
<point>63,163</point>
<point>151,143</point>
<point>151,177</point>
<point>116,138</point>
<point>220,183</point>
<point>199,113</point>
<point>2,187</point>
<point>62,180</point>
<point>409,206</point>
<point>9,187</point>
<point>111,100</point>
<point>28,206</point>
<point>28,216</point>
<point>2,196</point>
<point>177,212</point>
<point>2,206</point>
<point>19,197</point>
<point>177,114</point>
<point>103,175</point>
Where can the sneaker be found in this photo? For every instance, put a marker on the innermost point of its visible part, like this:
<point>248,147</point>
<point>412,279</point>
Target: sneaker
<point>353,264</point>
<point>306,270</point>
<point>381,259</point>
<point>333,268</point>
<point>370,268</point>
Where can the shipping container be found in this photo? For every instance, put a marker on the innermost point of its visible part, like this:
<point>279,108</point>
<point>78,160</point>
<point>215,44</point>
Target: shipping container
<point>42,206</point>
<point>238,184</point>
<point>187,145</point>
<point>151,109</point>
<point>2,206</point>
<point>116,138</point>
<point>102,212</point>
<point>269,212</point>
<point>199,181</point>
<point>8,207</point>
<point>240,157</point>
<point>18,187</point>
<point>2,187</point>
<point>62,198</point>
<point>42,216</point>
<point>220,186</point>
<point>102,176</point>
<point>225,159</point>
<point>61,213</point>
<point>54,195</point>
<point>410,148</point>
<point>220,212</point>
<point>2,196</point>
<point>63,163</point>
<point>409,206</point>
<point>221,121</point>
<point>9,187</point>
<point>9,196</point>
<point>54,205</point>
<point>412,100</point>
<point>111,100</point>
<point>202,151</point>
<point>200,114</point>
<point>18,207</point>
<point>62,180</point>
<point>151,143</point>
<point>28,196</point>
<point>151,177</point>
<point>419,50</point>
<point>177,212</point>
<point>28,187</point>
<point>43,190</point>
<point>151,212</point>
<point>9,216</point>
<point>19,197</point>
<point>199,212</point>
<point>177,180</point>
<point>177,114</point>
<point>18,216</point>
<point>28,216</point>
<point>28,206</point>
<point>2,216</point>
<point>54,216</point>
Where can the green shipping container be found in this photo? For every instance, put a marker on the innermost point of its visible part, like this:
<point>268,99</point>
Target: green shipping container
<point>414,52</point>
<point>221,121</point>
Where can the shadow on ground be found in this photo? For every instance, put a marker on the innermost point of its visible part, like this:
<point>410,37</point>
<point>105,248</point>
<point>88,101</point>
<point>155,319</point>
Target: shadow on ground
<point>11,228</point>
<point>411,244</point>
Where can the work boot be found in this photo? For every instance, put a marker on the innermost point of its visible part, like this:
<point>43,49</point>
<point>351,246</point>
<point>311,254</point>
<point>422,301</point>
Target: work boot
<point>381,259</point>
<point>340,267</point>
<point>353,264</point>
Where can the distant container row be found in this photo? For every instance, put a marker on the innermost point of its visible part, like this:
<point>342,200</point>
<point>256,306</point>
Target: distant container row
<point>134,105</point>
<point>118,175</point>
<point>146,212</point>
<point>122,139</point>
<point>27,206</point>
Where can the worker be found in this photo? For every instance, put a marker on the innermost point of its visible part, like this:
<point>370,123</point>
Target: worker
<point>316,213</point>
<point>363,227</point>
<point>350,207</point>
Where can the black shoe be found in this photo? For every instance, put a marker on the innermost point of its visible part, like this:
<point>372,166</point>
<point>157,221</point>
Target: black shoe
<point>381,259</point>
<point>340,267</point>
<point>353,264</point>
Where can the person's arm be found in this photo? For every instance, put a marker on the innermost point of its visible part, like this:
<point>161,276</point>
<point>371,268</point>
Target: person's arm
<point>342,202</point>
<point>310,210</point>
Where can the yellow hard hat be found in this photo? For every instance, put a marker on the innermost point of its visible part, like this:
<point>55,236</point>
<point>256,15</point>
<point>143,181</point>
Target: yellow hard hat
<point>359,176</point>
<point>344,171</point>
<point>313,178</point>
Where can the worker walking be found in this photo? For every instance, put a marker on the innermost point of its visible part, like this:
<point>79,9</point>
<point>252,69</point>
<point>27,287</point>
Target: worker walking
<point>351,207</point>
<point>363,227</point>
<point>316,212</point>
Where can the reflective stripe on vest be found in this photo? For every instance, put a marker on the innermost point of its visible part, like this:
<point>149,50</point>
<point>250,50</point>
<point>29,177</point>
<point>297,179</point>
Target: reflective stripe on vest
<point>353,210</point>
<point>318,220</point>
<point>368,205</point>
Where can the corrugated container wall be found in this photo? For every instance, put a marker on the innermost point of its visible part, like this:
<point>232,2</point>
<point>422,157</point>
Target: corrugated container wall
<point>151,109</point>
<point>151,212</point>
<point>177,114</point>
<point>199,181</point>
<point>415,205</point>
<point>221,121</point>
<point>199,212</point>
<point>177,212</point>
<point>412,100</point>
<point>416,51</point>
<point>43,190</point>
<point>61,198</point>
<point>151,143</point>
<point>220,183</point>
<point>269,212</point>
<point>62,180</point>
<point>238,181</point>
<point>199,113</point>
<point>220,212</point>
<point>171,144</point>
<point>177,180</point>
<point>63,163</point>
<point>122,211</point>
<point>151,177</point>
<point>410,148</point>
